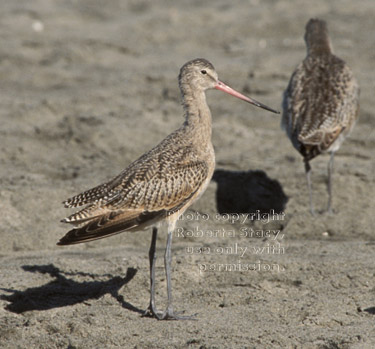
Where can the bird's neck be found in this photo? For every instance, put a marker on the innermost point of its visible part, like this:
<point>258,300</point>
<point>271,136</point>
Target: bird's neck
<point>197,112</point>
<point>321,44</point>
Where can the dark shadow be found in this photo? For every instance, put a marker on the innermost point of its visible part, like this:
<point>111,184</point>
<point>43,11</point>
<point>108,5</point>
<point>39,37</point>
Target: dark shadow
<point>247,192</point>
<point>63,291</point>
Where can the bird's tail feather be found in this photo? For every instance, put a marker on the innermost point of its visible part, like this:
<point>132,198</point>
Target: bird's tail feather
<point>108,224</point>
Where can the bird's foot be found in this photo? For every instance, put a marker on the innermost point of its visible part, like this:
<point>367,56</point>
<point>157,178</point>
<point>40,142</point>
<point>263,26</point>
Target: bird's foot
<point>330,211</point>
<point>151,311</point>
<point>170,314</point>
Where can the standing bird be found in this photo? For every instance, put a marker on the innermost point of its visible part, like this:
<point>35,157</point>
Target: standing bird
<point>321,102</point>
<point>161,184</point>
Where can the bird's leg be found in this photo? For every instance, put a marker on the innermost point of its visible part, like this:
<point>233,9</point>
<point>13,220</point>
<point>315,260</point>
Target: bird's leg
<point>308,173</point>
<point>330,171</point>
<point>169,313</point>
<point>151,310</point>
<point>168,262</point>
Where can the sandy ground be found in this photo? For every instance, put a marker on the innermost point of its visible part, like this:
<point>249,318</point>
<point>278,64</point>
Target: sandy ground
<point>88,86</point>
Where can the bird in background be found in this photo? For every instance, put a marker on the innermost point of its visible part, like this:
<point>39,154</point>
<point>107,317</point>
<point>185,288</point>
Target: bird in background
<point>321,103</point>
<point>158,187</point>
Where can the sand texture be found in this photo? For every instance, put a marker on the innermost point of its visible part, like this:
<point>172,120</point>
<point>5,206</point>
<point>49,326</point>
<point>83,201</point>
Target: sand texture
<point>86,87</point>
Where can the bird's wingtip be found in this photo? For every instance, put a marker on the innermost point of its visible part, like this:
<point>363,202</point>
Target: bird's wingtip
<point>60,242</point>
<point>66,203</point>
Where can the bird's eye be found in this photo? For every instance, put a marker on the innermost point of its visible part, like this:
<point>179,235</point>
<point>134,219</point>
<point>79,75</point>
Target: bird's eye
<point>203,71</point>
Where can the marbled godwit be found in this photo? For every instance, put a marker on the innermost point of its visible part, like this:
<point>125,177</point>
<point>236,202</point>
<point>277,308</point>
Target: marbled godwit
<point>321,102</point>
<point>161,184</point>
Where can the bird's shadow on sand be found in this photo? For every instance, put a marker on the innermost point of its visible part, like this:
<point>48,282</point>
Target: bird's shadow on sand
<point>248,192</point>
<point>63,291</point>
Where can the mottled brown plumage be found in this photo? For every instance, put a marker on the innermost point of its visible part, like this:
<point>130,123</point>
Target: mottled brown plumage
<point>162,183</point>
<point>321,102</point>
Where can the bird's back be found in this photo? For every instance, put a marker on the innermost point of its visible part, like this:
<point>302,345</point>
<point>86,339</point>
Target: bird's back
<point>320,104</point>
<point>155,186</point>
